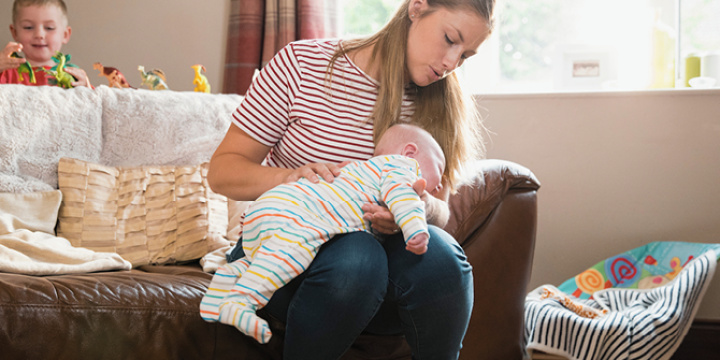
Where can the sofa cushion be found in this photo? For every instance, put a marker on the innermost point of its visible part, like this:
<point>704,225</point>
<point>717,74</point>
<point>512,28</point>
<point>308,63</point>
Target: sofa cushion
<point>41,124</point>
<point>146,313</point>
<point>146,127</point>
<point>148,215</point>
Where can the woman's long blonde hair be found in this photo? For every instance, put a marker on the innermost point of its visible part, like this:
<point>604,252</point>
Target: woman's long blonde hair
<point>441,108</point>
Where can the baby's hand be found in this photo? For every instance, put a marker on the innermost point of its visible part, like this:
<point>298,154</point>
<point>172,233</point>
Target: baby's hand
<point>6,59</point>
<point>80,75</point>
<point>418,244</point>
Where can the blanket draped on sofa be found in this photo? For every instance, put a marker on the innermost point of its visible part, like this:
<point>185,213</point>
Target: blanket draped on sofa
<point>29,246</point>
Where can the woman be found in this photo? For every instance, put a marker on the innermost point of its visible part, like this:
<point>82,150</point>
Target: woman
<point>320,102</point>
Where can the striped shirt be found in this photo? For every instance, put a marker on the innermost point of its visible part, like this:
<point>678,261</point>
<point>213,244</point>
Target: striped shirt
<point>292,108</point>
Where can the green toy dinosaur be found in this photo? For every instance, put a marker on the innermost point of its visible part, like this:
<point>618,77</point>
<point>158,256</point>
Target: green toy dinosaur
<point>62,78</point>
<point>24,68</point>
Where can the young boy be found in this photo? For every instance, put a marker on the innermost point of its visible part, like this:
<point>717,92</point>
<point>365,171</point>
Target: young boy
<point>40,29</point>
<point>285,227</point>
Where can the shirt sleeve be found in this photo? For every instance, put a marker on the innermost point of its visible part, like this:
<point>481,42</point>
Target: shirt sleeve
<point>396,181</point>
<point>264,111</point>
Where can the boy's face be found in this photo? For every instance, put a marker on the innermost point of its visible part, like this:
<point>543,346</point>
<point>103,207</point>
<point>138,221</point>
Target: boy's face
<point>42,31</point>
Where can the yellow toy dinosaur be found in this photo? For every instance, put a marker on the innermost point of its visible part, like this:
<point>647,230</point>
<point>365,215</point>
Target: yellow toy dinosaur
<point>200,81</point>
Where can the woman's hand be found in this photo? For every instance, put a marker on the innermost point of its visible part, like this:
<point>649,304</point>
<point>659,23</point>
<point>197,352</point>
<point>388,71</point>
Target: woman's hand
<point>315,171</point>
<point>236,171</point>
<point>382,220</point>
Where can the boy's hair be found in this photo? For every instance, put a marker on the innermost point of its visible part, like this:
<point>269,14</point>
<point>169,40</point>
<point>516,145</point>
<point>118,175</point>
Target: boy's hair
<point>23,3</point>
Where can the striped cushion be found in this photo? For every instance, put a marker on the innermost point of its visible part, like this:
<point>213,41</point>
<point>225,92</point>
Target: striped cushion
<point>148,215</point>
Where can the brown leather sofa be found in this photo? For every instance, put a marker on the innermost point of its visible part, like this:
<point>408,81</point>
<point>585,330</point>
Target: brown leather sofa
<point>151,312</point>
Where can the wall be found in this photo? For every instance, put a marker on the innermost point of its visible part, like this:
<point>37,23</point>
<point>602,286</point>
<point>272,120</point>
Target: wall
<point>168,34</point>
<point>618,170</point>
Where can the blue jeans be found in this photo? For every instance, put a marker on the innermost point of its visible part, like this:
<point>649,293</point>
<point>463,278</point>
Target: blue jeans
<point>357,283</point>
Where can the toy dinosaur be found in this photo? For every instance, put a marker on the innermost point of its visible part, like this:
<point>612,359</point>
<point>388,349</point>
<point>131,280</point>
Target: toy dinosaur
<point>201,82</point>
<point>153,79</point>
<point>24,68</point>
<point>114,76</point>
<point>62,78</point>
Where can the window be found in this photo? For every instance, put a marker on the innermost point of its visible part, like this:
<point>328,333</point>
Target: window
<point>572,45</point>
<point>364,17</point>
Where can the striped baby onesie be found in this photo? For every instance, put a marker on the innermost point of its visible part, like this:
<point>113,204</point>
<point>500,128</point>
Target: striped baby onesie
<point>285,227</point>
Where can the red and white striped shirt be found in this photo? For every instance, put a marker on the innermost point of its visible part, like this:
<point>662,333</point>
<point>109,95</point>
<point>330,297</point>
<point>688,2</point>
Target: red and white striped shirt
<point>304,119</point>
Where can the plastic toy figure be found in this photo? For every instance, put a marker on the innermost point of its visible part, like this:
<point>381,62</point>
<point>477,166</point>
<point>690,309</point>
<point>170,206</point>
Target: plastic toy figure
<point>201,82</point>
<point>115,77</point>
<point>63,79</point>
<point>24,68</point>
<point>153,79</point>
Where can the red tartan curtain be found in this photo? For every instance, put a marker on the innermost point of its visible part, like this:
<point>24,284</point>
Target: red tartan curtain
<point>258,29</point>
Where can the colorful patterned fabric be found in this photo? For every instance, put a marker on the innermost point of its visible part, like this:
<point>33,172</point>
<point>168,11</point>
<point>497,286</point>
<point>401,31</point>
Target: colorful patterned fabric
<point>636,305</point>
<point>645,267</point>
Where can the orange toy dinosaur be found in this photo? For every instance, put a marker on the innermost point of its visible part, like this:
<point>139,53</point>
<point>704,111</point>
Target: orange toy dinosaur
<point>114,76</point>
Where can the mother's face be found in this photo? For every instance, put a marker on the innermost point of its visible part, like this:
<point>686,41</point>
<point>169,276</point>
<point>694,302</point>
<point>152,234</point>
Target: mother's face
<point>439,40</point>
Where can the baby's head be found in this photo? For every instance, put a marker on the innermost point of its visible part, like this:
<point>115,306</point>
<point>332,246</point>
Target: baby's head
<point>414,142</point>
<point>41,26</point>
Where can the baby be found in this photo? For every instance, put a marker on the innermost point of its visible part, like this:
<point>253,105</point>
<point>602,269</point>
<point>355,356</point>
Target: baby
<point>284,229</point>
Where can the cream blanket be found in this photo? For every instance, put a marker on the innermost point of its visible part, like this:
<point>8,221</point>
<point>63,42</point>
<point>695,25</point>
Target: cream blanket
<point>27,245</point>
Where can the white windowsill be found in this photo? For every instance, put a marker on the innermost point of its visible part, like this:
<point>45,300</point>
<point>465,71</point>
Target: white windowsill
<point>606,93</point>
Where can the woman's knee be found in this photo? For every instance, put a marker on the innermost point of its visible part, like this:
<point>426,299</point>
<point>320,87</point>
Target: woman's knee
<point>443,265</point>
<point>351,264</point>
<point>448,254</point>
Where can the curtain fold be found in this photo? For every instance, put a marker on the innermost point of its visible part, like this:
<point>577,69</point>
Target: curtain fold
<point>258,29</point>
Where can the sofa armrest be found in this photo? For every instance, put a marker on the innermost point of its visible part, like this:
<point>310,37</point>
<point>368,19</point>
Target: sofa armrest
<point>471,206</point>
<point>494,218</point>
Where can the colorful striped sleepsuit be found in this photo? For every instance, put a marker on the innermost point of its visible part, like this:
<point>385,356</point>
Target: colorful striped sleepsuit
<point>285,227</point>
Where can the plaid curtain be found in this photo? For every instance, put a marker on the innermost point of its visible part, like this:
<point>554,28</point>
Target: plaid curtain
<point>258,29</point>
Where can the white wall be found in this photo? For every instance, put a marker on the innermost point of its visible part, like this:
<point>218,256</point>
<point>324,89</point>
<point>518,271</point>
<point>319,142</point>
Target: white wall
<point>618,170</point>
<point>168,34</point>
